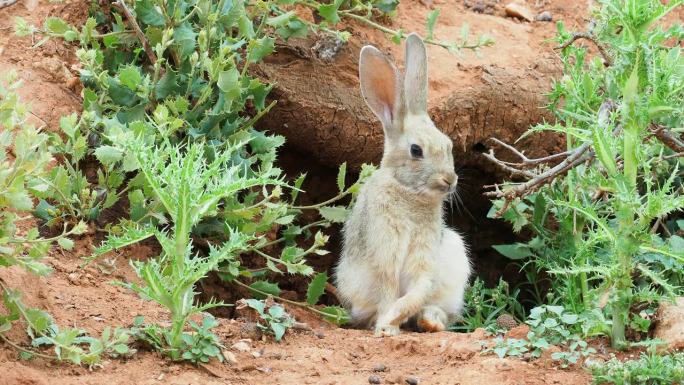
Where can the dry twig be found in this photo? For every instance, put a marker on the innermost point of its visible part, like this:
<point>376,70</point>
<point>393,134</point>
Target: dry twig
<point>666,136</point>
<point>524,160</point>
<point>576,157</point>
<point>121,5</point>
<point>572,159</point>
<point>607,61</point>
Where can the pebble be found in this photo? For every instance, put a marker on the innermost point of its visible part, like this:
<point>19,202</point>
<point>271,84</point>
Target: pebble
<point>412,380</point>
<point>250,330</point>
<point>479,7</point>
<point>373,379</point>
<point>544,16</point>
<point>379,368</point>
<point>241,346</point>
<point>229,357</point>
<point>74,278</point>
<point>519,11</point>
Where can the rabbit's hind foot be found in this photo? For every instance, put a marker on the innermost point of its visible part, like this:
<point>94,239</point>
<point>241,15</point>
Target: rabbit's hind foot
<point>431,319</point>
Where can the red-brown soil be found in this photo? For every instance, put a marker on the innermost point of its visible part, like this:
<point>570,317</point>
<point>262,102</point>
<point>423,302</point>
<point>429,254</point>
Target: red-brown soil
<point>329,355</point>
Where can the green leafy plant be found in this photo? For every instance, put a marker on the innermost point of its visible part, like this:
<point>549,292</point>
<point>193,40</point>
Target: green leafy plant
<point>604,211</point>
<point>277,320</point>
<point>508,347</point>
<point>24,158</point>
<point>483,306</point>
<point>190,189</point>
<point>649,369</point>
<point>549,325</point>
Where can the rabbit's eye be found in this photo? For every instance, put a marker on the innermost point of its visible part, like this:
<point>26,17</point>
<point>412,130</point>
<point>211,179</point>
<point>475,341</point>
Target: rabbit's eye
<point>416,151</point>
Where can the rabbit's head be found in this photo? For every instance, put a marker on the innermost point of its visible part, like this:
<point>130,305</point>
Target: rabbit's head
<point>417,153</point>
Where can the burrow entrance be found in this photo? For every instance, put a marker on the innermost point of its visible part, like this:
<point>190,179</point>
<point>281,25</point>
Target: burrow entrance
<point>468,216</point>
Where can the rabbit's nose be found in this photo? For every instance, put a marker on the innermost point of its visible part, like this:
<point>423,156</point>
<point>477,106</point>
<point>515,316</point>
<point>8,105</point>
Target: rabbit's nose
<point>448,181</point>
<point>450,178</point>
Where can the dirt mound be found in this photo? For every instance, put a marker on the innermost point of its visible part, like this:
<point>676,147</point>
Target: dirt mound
<point>471,98</point>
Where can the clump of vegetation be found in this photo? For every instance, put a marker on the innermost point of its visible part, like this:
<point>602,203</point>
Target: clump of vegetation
<point>649,369</point>
<point>24,157</point>
<point>549,325</point>
<point>606,213</point>
<point>483,306</point>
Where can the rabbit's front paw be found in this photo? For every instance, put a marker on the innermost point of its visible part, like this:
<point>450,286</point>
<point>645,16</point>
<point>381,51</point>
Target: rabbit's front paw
<point>386,331</point>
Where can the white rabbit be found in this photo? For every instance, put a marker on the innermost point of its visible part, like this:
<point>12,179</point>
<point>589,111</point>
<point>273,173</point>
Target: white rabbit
<point>399,260</point>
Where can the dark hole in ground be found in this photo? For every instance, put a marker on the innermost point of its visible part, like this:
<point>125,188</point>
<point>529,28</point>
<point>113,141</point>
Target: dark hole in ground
<point>480,147</point>
<point>468,215</point>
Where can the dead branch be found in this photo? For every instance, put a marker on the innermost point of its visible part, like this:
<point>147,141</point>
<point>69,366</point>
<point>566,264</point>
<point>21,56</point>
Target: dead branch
<point>607,61</point>
<point>666,136</point>
<point>506,166</point>
<point>577,157</point>
<point>121,5</point>
<point>572,159</point>
<point>675,155</point>
<point>524,160</point>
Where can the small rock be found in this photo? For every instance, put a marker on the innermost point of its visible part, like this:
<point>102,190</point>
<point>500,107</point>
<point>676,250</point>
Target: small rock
<point>670,326</point>
<point>544,16</point>
<point>250,330</point>
<point>74,278</point>
<point>412,380</point>
<point>229,357</point>
<point>520,11</point>
<point>379,368</point>
<point>319,334</point>
<point>256,354</point>
<point>519,332</point>
<point>373,379</point>
<point>241,346</point>
<point>479,7</point>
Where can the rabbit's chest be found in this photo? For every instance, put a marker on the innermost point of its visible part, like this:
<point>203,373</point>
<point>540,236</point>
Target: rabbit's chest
<point>417,244</point>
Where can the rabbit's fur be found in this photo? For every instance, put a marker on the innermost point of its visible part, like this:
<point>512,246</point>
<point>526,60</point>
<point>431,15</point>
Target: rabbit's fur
<point>399,260</point>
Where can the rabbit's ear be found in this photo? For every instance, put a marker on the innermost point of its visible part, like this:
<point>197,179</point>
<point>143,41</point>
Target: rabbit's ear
<point>415,82</point>
<point>381,87</point>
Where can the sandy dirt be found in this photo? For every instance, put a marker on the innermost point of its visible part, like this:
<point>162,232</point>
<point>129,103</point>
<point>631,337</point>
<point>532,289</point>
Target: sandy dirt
<point>86,299</point>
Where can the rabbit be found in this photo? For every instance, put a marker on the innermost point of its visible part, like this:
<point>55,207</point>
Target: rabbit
<point>399,260</point>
